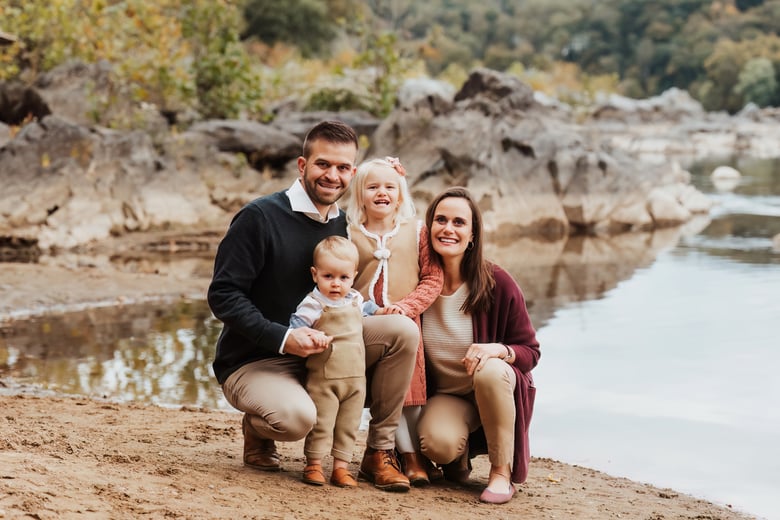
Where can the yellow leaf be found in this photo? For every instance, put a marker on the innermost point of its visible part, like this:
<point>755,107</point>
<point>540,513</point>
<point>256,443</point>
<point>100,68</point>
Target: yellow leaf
<point>553,479</point>
<point>45,161</point>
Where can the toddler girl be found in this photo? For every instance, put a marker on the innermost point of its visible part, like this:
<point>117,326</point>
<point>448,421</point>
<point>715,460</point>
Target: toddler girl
<point>396,273</point>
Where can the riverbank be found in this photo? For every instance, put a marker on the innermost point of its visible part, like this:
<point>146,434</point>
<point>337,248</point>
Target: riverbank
<point>74,457</point>
<point>68,457</point>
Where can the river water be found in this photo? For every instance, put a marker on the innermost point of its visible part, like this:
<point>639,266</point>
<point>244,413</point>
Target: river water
<point>659,350</point>
<point>671,376</point>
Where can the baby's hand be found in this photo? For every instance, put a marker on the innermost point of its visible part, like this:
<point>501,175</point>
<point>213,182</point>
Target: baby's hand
<point>304,342</point>
<point>320,339</point>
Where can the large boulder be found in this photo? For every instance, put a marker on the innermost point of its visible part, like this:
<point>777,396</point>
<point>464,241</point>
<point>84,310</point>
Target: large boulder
<point>426,90</point>
<point>262,145</point>
<point>532,171</point>
<point>298,123</point>
<point>67,185</point>
<point>672,105</point>
<point>71,89</point>
<point>675,124</point>
<point>85,94</point>
<point>5,134</point>
<point>20,103</point>
<point>535,173</point>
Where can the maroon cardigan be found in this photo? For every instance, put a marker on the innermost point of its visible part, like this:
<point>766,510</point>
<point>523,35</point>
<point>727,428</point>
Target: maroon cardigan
<point>508,322</point>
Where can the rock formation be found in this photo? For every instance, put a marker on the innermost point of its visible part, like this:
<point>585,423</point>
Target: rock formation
<point>69,184</point>
<point>534,171</point>
<point>675,124</point>
<point>66,185</point>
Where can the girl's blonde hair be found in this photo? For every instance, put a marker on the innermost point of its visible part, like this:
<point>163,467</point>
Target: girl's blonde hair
<point>356,213</point>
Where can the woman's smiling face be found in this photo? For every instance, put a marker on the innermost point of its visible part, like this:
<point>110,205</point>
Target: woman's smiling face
<point>451,227</point>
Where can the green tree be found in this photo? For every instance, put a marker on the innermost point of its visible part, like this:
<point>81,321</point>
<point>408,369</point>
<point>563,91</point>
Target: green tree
<point>303,23</point>
<point>726,68</point>
<point>744,5</point>
<point>168,53</point>
<point>691,46</point>
<point>764,18</point>
<point>723,67</point>
<point>48,33</point>
<point>757,81</point>
<point>591,44</point>
<point>382,60</point>
<point>225,82</point>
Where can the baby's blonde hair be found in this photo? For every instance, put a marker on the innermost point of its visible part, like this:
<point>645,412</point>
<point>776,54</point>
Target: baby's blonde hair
<point>337,246</point>
<point>356,213</point>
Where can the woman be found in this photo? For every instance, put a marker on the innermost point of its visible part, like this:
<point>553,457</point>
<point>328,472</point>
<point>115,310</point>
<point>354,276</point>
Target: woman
<point>480,348</point>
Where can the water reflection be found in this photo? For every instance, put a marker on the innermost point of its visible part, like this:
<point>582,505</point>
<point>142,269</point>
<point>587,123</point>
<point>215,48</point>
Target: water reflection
<point>669,378</point>
<point>553,274</point>
<point>150,353</point>
<point>162,353</point>
<point>745,219</point>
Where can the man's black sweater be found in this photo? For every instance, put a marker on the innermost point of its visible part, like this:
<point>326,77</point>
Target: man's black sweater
<point>261,273</point>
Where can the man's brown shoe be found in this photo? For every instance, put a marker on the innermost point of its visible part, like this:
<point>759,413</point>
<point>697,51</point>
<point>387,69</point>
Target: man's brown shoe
<point>381,468</point>
<point>259,453</point>
<point>414,469</point>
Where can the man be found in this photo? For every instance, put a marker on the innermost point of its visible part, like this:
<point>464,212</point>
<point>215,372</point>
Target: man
<point>261,273</point>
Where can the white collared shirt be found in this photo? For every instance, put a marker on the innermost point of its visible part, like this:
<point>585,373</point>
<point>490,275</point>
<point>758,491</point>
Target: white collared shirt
<point>301,203</point>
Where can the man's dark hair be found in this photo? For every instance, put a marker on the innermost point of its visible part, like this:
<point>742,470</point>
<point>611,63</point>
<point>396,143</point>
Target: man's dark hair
<point>331,132</point>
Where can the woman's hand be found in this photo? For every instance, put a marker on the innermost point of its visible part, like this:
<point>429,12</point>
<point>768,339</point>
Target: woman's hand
<point>479,353</point>
<point>394,309</point>
<point>391,309</point>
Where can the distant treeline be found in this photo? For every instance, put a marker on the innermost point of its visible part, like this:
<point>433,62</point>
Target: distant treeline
<point>725,53</point>
<point>230,58</point>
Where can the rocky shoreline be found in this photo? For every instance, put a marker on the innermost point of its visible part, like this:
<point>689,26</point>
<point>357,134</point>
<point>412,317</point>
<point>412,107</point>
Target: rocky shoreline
<point>539,168</point>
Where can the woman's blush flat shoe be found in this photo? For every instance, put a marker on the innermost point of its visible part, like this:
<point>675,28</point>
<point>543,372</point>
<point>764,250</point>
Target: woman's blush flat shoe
<point>491,497</point>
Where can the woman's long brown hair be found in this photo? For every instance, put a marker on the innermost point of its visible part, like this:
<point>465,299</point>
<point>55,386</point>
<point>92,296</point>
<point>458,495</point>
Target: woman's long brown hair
<point>474,269</point>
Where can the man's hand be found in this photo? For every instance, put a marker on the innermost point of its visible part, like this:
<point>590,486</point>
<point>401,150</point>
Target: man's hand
<point>304,342</point>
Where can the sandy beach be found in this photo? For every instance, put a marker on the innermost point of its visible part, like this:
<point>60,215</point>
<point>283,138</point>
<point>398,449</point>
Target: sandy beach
<point>73,457</point>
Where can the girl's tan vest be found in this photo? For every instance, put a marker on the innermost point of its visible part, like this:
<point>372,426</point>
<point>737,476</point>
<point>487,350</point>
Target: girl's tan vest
<point>403,267</point>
